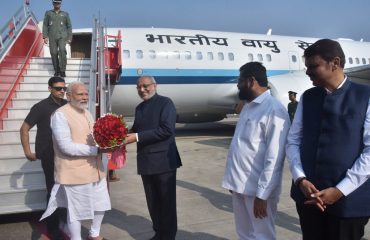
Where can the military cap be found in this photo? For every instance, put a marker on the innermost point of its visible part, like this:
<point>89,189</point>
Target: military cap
<point>57,1</point>
<point>292,93</point>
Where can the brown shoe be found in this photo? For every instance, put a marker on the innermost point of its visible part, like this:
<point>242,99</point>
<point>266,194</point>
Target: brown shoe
<point>114,178</point>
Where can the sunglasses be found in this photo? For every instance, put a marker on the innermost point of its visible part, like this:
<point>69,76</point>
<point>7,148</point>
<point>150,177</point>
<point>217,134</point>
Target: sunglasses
<point>60,88</point>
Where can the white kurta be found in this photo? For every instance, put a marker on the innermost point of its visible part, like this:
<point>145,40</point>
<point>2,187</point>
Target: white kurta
<point>255,160</point>
<point>254,165</point>
<point>83,199</point>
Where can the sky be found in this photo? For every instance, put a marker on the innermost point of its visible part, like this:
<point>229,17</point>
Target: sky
<point>305,18</point>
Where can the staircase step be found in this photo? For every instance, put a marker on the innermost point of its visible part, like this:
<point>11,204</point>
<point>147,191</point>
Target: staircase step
<point>8,79</point>
<point>25,102</point>
<point>69,60</point>
<point>13,164</point>
<point>30,94</point>
<point>68,79</point>
<point>9,71</point>
<point>13,65</point>
<point>32,197</point>
<point>30,207</point>
<point>50,73</point>
<point>18,112</point>
<point>49,67</point>
<point>14,136</point>
<point>20,179</point>
<point>10,148</point>
<point>33,86</point>
<point>12,123</point>
<point>5,86</point>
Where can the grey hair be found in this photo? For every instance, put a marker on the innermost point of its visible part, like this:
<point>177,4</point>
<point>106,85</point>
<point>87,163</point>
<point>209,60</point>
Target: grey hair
<point>73,84</point>
<point>152,79</point>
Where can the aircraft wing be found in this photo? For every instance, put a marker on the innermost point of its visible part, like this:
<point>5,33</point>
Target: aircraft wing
<point>359,74</point>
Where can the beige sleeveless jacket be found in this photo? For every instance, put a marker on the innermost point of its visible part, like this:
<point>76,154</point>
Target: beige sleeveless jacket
<point>82,169</point>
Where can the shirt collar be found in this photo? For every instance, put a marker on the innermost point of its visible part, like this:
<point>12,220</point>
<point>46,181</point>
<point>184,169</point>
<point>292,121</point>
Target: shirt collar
<point>261,97</point>
<point>340,85</point>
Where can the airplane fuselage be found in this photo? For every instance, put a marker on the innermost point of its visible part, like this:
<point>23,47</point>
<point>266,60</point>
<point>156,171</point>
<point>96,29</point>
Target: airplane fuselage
<point>198,70</point>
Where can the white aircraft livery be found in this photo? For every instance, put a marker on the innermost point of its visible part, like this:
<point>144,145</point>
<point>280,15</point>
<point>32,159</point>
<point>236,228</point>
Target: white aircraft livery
<point>198,70</point>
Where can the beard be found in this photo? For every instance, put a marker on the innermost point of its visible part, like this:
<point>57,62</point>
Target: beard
<point>79,105</point>
<point>147,97</point>
<point>246,95</point>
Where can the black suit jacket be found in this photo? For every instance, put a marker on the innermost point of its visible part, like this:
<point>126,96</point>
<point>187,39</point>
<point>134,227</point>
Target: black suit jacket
<point>155,121</point>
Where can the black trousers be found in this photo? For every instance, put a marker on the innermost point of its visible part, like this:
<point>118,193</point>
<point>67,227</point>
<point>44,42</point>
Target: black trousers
<point>52,222</point>
<point>160,192</point>
<point>317,225</point>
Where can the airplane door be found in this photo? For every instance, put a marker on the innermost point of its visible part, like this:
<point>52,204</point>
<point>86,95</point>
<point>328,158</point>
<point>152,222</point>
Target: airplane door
<point>294,61</point>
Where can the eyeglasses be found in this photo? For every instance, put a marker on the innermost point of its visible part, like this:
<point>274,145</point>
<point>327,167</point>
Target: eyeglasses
<point>145,86</point>
<point>60,88</point>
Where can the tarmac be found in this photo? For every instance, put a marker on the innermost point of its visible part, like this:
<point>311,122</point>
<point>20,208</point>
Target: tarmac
<point>204,208</point>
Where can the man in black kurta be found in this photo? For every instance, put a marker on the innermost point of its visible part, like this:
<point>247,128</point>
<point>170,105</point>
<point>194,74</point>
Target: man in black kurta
<point>157,156</point>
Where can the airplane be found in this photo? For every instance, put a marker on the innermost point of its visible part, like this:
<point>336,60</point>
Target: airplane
<point>198,69</point>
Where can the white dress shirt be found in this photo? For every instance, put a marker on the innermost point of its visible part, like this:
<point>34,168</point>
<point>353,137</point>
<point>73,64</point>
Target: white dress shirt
<point>355,176</point>
<point>256,156</point>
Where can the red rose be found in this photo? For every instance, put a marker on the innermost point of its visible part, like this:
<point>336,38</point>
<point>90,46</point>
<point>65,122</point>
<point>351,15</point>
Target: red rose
<point>110,131</point>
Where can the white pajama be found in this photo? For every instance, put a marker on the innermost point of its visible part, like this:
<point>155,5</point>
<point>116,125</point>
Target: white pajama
<point>83,201</point>
<point>249,227</point>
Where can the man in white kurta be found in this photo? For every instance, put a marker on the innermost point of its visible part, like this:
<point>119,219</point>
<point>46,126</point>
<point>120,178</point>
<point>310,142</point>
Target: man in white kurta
<point>254,165</point>
<point>80,184</point>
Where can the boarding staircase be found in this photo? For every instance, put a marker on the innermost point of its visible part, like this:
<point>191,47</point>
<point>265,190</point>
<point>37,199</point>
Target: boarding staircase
<point>22,185</point>
<point>24,74</point>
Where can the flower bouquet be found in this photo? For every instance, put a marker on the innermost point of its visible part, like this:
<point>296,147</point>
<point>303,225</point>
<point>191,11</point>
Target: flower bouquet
<point>110,131</point>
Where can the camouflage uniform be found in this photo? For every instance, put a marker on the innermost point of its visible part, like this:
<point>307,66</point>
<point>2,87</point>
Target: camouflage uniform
<point>58,28</point>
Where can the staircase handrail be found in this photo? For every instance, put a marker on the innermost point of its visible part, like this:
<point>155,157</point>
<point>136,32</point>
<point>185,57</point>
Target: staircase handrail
<point>99,86</point>
<point>93,70</point>
<point>12,28</point>
<point>4,104</point>
<point>102,86</point>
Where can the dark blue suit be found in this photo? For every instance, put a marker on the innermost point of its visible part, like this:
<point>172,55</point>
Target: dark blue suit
<point>157,161</point>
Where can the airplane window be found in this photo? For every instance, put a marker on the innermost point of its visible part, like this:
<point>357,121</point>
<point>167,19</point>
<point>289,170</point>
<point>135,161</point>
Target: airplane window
<point>163,55</point>
<point>363,61</point>
<point>369,60</point>
<point>126,53</point>
<point>350,60</point>
<point>199,55</point>
<point>210,56</point>
<point>220,56</point>
<point>187,55</point>
<point>174,55</point>
<point>152,54</point>
<point>357,61</point>
<point>231,56</point>
<point>294,58</point>
<point>139,54</point>
<point>250,57</point>
<point>259,57</point>
<point>268,57</point>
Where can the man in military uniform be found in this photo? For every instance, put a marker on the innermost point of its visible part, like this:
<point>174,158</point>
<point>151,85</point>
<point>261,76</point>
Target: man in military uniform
<point>57,30</point>
<point>292,106</point>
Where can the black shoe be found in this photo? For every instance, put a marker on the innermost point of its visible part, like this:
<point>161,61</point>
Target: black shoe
<point>56,74</point>
<point>63,74</point>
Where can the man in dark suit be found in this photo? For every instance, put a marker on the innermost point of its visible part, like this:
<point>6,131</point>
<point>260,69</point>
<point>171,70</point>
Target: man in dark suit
<point>328,149</point>
<point>157,156</point>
